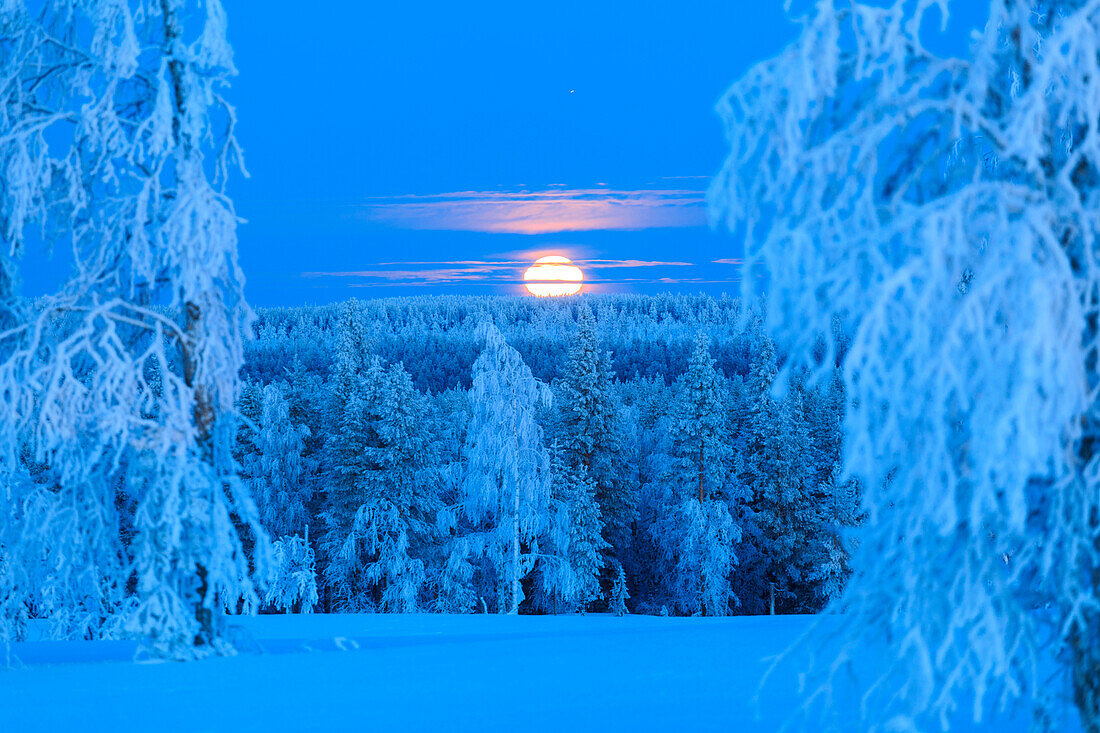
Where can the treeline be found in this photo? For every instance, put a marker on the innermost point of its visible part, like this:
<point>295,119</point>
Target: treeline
<point>512,455</point>
<point>647,336</point>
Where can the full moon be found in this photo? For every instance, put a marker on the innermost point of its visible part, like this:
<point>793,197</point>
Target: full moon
<point>553,275</point>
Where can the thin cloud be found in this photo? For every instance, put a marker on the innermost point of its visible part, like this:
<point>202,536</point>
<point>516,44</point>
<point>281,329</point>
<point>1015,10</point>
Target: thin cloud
<point>589,263</point>
<point>495,282</point>
<point>554,209</point>
<point>456,262</point>
<point>426,276</point>
<point>597,264</point>
<point>442,271</point>
<point>727,262</point>
<point>502,272</point>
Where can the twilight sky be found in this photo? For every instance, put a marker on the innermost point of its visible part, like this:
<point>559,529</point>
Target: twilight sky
<point>440,147</point>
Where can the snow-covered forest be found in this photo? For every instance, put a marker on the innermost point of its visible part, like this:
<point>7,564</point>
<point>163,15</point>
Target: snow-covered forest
<point>894,427</point>
<point>463,454</point>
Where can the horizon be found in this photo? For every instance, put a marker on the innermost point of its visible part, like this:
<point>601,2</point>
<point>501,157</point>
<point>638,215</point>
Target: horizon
<point>522,385</point>
<point>426,149</point>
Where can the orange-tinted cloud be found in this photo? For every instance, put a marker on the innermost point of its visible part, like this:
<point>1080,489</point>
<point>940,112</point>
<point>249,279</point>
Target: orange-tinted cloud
<point>429,272</point>
<point>599,273</point>
<point>542,212</point>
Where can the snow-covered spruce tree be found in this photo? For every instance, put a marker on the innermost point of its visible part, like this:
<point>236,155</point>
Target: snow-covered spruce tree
<point>649,423</point>
<point>948,209</point>
<point>377,504</point>
<point>836,496</point>
<point>274,468</point>
<point>294,588</point>
<point>353,354</point>
<point>507,485</point>
<point>809,527</point>
<point>619,594</point>
<point>778,477</point>
<point>394,522</point>
<point>697,530</point>
<point>590,436</point>
<point>250,408</point>
<point>349,466</point>
<point>115,141</point>
<point>700,437</point>
<point>308,403</point>
<point>572,546</point>
<point>450,572</point>
<point>586,545</point>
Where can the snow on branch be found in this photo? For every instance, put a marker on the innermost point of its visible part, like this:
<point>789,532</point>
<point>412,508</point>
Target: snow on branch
<point>112,126</point>
<point>947,211</point>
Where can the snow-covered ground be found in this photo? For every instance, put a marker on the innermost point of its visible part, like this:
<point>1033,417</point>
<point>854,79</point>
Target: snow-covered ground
<point>434,672</point>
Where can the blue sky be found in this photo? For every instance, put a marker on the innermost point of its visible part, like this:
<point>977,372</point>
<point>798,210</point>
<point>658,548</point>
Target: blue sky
<point>411,146</point>
<point>438,147</point>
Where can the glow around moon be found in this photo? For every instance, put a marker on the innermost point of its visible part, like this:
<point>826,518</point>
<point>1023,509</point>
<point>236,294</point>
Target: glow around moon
<point>553,275</point>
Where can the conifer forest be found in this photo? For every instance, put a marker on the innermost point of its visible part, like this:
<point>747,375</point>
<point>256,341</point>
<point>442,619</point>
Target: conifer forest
<point>463,455</point>
<point>586,366</point>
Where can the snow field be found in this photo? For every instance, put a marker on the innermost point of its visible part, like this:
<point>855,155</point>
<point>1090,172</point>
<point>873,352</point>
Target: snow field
<point>418,672</point>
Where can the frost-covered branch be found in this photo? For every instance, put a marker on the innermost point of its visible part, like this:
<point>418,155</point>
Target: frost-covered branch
<point>122,384</point>
<point>947,210</point>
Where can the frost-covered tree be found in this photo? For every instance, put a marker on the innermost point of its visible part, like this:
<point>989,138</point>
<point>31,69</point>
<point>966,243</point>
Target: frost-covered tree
<point>698,541</point>
<point>837,496</point>
<point>786,524</point>
<point>806,522</point>
<point>696,529</point>
<point>294,587</point>
<point>451,576</point>
<point>507,485</point>
<point>353,353</point>
<point>308,407</point>
<point>378,506</point>
<point>274,468</point>
<point>571,558</point>
<point>378,549</point>
<point>948,210</point>
<point>619,594</point>
<point>350,469</point>
<point>589,432</point>
<point>700,435</point>
<point>119,388</point>
<point>394,520</point>
<point>651,464</point>
<point>586,544</point>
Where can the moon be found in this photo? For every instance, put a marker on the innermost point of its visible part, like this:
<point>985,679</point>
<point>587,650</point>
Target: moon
<point>553,275</point>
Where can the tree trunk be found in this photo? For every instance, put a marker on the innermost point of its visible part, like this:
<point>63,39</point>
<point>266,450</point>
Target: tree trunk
<point>514,609</point>
<point>203,416</point>
<point>202,410</point>
<point>515,549</point>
